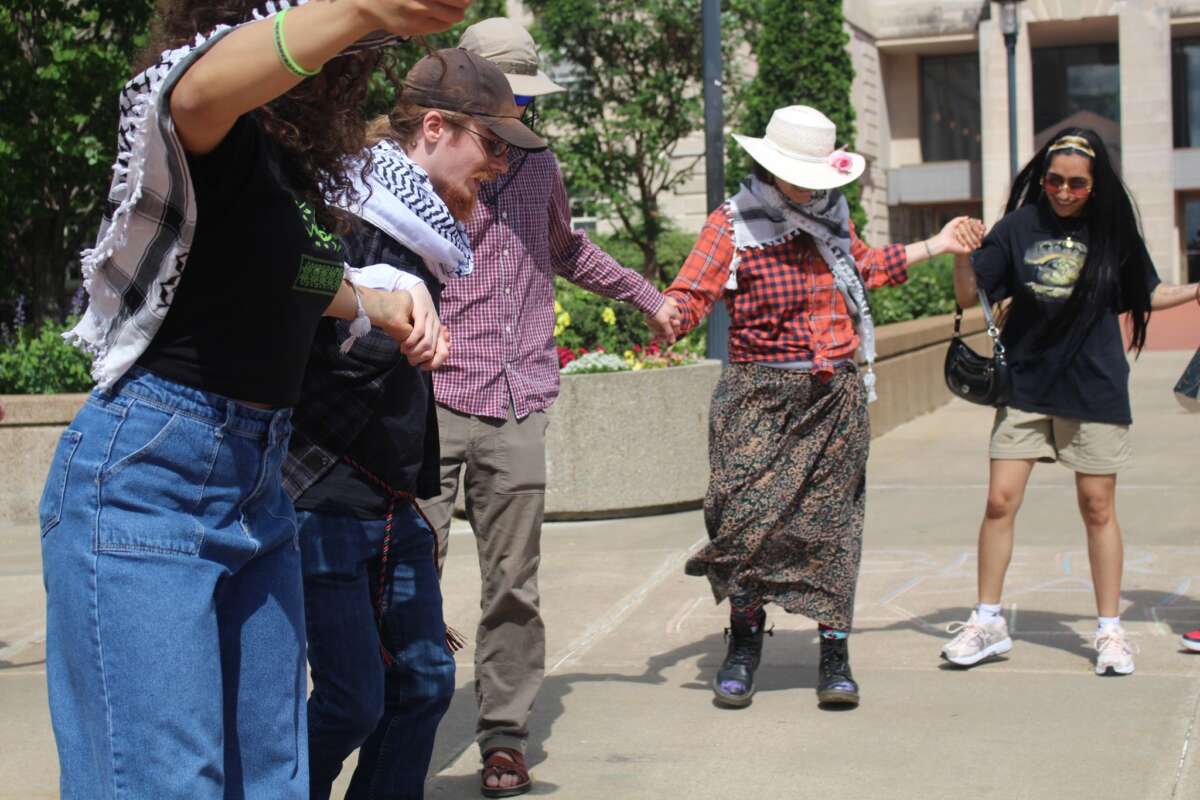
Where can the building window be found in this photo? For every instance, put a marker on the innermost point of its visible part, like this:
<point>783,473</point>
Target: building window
<point>950,108</point>
<point>1185,90</point>
<point>1191,237</point>
<point>1077,86</point>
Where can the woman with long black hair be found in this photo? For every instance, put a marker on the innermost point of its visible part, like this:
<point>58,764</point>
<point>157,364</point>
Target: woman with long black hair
<point>175,621</point>
<point>1070,255</point>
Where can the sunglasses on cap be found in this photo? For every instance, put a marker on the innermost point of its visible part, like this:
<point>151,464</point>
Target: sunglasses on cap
<point>522,100</point>
<point>1079,187</point>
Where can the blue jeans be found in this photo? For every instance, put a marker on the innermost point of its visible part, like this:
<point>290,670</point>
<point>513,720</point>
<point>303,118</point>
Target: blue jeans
<point>391,712</point>
<point>174,606</point>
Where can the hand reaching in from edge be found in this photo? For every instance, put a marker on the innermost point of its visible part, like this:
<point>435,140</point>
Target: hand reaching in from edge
<point>413,17</point>
<point>665,323</point>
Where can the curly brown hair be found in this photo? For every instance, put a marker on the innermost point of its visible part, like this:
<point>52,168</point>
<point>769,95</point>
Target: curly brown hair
<point>318,126</point>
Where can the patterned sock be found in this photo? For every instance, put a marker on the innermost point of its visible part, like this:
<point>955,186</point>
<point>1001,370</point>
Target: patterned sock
<point>743,608</point>
<point>831,633</point>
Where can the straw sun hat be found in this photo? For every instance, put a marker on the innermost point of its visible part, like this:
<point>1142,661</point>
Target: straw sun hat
<point>800,147</point>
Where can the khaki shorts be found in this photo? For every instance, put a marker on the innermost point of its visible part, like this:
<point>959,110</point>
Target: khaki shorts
<point>1093,448</point>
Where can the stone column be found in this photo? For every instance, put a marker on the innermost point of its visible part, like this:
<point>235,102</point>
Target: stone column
<point>993,97</point>
<point>1147,147</point>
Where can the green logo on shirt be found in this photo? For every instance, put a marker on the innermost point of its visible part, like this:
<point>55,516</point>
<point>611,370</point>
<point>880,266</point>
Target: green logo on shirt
<point>317,276</point>
<point>317,236</point>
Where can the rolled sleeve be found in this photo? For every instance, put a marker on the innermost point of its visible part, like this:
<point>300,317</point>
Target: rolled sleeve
<point>701,280</point>
<point>879,266</point>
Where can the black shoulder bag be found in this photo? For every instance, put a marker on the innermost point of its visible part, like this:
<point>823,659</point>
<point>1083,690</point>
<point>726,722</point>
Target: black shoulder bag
<point>975,378</point>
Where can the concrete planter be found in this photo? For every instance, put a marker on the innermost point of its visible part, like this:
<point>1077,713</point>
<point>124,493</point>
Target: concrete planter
<point>29,433</point>
<point>625,443</point>
<point>620,443</point>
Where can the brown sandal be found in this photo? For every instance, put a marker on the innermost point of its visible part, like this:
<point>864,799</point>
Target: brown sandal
<point>497,762</point>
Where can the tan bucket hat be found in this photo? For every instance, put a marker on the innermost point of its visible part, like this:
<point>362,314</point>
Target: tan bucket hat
<point>800,147</point>
<point>510,47</point>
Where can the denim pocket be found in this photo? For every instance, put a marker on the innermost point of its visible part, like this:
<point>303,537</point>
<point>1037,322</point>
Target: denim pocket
<point>159,464</point>
<point>51,506</point>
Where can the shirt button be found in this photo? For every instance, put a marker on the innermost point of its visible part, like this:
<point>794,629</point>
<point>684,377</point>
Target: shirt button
<point>508,329</point>
<point>503,215</point>
<point>507,290</point>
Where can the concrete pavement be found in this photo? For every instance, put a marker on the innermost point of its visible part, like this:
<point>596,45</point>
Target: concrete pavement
<point>626,710</point>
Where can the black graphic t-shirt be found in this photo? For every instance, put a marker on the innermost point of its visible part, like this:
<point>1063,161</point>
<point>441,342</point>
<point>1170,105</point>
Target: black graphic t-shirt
<point>1035,257</point>
<point>260,274</point>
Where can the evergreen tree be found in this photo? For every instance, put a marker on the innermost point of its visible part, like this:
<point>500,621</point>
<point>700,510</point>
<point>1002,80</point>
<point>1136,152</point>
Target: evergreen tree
<point>803,59</point>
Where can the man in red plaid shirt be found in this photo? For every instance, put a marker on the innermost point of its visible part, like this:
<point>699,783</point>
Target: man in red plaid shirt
<point>492,395</point>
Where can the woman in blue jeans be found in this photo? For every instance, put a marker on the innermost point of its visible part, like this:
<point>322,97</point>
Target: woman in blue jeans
<point>175,638</point>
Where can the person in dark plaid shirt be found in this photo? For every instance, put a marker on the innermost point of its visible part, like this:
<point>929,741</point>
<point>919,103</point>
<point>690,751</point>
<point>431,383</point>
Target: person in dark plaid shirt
<point>365,442</point>
<point>789,431</point>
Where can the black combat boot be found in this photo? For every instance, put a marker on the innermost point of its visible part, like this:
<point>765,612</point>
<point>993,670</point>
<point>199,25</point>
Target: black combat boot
<point>734,684</point>
<point>835,685</point>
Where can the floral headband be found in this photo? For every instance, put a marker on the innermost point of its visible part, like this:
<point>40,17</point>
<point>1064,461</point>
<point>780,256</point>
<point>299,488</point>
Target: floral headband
<point>1073,143</point>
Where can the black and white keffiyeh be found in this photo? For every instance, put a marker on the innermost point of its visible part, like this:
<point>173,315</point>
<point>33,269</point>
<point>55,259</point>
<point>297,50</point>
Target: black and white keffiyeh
<point>398,198</point>
<point>150,219</point>
<point>762,216</point>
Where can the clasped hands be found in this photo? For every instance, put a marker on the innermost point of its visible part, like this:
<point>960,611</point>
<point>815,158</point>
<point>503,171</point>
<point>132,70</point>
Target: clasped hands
<point>667,323</point>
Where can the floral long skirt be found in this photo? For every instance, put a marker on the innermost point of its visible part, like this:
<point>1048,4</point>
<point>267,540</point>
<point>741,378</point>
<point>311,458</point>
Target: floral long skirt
<point>787,493</point>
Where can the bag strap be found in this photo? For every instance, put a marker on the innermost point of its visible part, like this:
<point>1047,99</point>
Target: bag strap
<point>992,330</point>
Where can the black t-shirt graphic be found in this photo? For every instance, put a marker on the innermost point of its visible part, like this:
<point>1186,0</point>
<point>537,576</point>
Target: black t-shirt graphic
<point>1035,258</point>
<point>260,274</point>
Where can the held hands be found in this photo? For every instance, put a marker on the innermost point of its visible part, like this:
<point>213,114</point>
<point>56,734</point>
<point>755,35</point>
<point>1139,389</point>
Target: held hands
<point>428,344</point>
<point>412,17</point>
<point>665,323</point>
<point>960,236</point>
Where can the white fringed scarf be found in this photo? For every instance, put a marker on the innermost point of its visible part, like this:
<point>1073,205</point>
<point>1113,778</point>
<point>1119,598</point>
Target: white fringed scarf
<point>150,219</point>
<point>398,198</point>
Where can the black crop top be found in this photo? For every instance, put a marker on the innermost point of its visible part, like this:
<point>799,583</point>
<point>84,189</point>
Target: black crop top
<point>260,274</point>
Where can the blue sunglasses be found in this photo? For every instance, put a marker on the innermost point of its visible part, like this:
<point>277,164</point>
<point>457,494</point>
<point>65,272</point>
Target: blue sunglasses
<point>522,99</point>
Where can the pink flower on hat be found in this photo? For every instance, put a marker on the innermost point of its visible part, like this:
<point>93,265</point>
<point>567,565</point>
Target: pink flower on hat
<point>841,161</point>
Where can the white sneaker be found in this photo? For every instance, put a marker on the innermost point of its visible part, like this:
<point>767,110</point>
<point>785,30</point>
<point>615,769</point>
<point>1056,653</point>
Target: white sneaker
<point>1114,653</point>
<point>976,640</point>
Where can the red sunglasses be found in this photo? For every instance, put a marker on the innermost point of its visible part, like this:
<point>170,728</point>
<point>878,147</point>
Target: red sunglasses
<point>1079,187</point>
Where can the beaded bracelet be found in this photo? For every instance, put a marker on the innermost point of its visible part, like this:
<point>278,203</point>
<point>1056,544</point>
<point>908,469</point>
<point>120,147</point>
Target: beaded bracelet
<point>284,56</point>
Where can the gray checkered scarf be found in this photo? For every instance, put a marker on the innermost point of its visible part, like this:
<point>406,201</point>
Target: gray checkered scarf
<point>150,219</point>
<point>763,217</point>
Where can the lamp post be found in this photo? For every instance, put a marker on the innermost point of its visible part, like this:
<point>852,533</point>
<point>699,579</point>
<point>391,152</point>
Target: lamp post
<point>1010,24</point>
<point>714,154</point>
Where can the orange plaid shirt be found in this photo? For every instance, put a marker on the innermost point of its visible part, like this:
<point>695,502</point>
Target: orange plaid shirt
<point>787,306</point>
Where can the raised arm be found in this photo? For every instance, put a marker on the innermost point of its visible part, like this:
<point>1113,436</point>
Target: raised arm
<point>246,69</point>
<point>1169,295</point>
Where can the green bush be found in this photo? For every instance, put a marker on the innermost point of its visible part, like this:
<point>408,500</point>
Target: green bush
<point>590,321</point>
<point>43,362</point>
<point>928,292</point>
